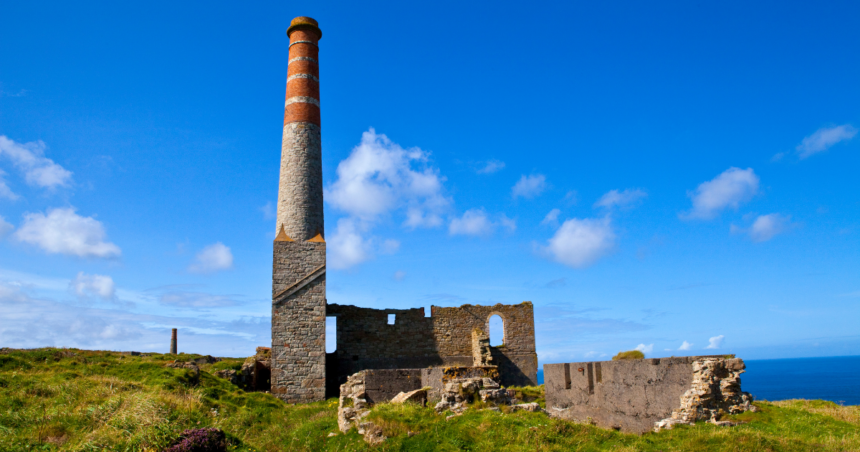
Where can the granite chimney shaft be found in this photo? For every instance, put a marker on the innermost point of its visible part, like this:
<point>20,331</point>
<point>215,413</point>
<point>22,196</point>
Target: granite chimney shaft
<point>173,341</point>
<point>300,194</point>
<point>299,261</point>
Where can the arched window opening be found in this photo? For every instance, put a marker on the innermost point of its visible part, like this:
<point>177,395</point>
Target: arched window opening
<point>497,331</point>
<point>330,334</point>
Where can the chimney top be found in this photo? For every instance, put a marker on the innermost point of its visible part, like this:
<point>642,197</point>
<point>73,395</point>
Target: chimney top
<point>303,22</point>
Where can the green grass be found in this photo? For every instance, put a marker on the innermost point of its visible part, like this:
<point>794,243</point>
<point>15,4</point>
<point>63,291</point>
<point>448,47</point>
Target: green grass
<point>53,399</point>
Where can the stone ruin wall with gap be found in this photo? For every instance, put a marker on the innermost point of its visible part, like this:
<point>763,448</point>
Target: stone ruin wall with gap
<point>365,340</point>
<point>633,395</point>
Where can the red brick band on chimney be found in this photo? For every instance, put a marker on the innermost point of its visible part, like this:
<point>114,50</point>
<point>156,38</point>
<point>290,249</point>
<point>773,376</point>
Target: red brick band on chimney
<point>303,83</point>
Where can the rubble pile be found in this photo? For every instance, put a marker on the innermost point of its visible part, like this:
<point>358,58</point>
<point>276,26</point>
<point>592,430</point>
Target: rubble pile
<point>353,407</point>
<point>194,375</point>
<point>255,373</point>
<point>715,391</point>
<point>460,392</point>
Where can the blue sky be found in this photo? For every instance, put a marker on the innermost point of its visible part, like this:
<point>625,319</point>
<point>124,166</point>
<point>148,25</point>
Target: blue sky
<point>678,177</point>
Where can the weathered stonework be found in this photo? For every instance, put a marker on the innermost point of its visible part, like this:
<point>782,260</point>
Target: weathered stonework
<point>448,388</point>
<point>298,322</point>
<point>255,374</point>
<point>437,379</point>
<point>634,395</point>
<point>365,340</point>
<point>481,353</point>
<point>715,390</point>
<point>300,194</point>
<point>452,387</point>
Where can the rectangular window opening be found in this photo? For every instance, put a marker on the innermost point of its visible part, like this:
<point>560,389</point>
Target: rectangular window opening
<point>330,334</point>
<point>391,319</point>
<point>429,311</point>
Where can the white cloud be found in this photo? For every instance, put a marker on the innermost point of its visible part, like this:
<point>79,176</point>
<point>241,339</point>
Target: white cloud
<point>571,198</point>
<point>824,138</point>
<point>19,93</point>
<point>65,232</point>
<point>625,198</point>
<point>268,211</point>
<point>193,300</point>
<point>5,227</point>
<point>529,186</point>
<point>508,223</point>
<point>551,218</point>
<point>31,321</point>
<point>92,286</point>
<point>478,223</point>
<point>765,227</point>
<point>389,246</point>
<point>30,159</point>
<point>212,258</point>
<point>492,166</point>
<point>579,243</point>
<point>646,349</point>
<point>473,222</point>
<point>399,275</point>
<point>715,342</point>
<point>379,176</point>
<point>731,188</point>
<point>346,247</point>
<point>34,322</point>
<point>686,346</point>
<point>5,191</point>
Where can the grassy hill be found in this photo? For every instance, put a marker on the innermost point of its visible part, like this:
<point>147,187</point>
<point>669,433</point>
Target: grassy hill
<point>66,399</point>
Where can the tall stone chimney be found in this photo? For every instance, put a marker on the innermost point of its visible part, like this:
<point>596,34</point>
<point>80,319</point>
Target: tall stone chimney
<point>300,195</point>
<point>298,270</point>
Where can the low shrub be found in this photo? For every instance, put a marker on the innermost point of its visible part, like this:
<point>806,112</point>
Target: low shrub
<point>200,440</point>
<point>632,354</point>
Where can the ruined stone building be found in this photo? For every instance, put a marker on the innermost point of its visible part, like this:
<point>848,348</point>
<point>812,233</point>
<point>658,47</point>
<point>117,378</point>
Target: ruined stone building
<point>301,369</point>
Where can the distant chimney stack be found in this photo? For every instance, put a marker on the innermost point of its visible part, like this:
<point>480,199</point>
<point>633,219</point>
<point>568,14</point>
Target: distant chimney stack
<point>173,342</point>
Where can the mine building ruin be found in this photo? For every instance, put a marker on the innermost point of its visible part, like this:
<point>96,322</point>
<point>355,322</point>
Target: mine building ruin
<point>301,369</point>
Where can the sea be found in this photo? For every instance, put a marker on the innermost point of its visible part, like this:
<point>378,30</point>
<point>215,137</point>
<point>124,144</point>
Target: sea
<point>836,379</point>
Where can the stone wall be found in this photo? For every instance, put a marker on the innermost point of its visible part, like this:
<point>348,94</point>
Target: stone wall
<point>627,395</point>
<point>381,385</point>
<point>516,358</point>
<point>365,340</point>
<point>298,321</point>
